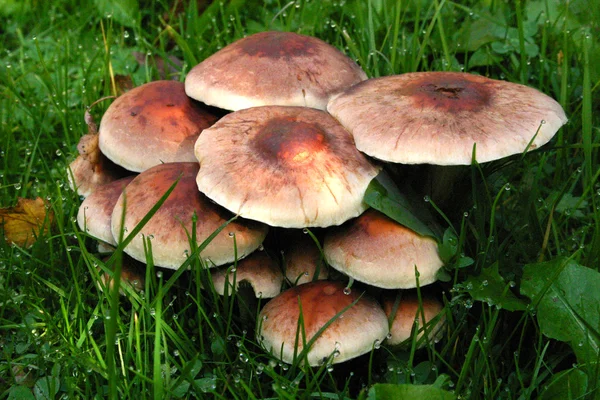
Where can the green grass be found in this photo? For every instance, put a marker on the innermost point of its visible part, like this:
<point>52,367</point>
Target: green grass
<point>61,337</point>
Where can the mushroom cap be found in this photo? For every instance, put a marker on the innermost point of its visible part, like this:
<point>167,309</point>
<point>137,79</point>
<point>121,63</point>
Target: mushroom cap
<point>292,167</point>
<point>132,275</point>
<point>376,250</point>
<point>408,315</point>
<point>152,124</point>
<point>437,117</point>
<point>258,269</point>
<point>95,212</point>
<point>301,259</point>
<point>171,227</point>
<point>359,329</point>
<point>273,68</point>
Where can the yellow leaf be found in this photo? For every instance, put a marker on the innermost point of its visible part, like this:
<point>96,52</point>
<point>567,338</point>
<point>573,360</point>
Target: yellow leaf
<point>23,223</point>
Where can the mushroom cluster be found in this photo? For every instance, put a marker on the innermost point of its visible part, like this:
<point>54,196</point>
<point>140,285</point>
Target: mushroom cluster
<point>303,134</point>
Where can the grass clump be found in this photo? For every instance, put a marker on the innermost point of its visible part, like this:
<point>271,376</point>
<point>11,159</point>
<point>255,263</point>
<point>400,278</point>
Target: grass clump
<point>522,241</point>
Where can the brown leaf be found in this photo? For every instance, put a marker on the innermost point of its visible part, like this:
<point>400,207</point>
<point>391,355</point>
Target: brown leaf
<point>124,83</point>
<point>166,69</point>
<point>25,222</point>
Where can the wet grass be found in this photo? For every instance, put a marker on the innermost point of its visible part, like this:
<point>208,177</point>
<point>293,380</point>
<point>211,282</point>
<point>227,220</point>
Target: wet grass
<point>63,337</point>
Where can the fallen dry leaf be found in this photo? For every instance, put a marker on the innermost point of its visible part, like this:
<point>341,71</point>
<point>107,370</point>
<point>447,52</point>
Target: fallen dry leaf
<point>23,223</point>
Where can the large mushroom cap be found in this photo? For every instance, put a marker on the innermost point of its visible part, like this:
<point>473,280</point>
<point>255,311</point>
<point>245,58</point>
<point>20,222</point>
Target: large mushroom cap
<point>360,328</point>
<point>379,251</point>
<point>273,68</point>
<point>152,124</point>
<point>285,166</point>
<point>171,227</point>
<point>95,213</point>
<point>437,117</point>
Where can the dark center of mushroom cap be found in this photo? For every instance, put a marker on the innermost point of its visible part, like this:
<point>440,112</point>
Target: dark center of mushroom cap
<point>278,45</point>
<point>454,93</point>
<point>290,142</point>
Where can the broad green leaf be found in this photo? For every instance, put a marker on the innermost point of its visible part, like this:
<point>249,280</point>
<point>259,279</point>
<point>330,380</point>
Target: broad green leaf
<point>490,287</point>
<point>46,388</point>
<point>125,12</point>
<point>388,391</point>
<point>567,298</point>
<point>570,384</point>
<point>383,196</point>
<point>20,393</point>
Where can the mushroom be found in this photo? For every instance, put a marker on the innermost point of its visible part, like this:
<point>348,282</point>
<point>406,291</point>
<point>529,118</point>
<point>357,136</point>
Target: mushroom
<point>273,68</point>
<point>95,212</point>
<point>410,313</point>
<point>437,117</point>
<point>132,275</point>
<point>376,250</point>
<point>172,226</point>
<point>301,259</point>
<point>292,167</point>
<point>258,269</point>
<point>357,323</point>
<point>152,124</point>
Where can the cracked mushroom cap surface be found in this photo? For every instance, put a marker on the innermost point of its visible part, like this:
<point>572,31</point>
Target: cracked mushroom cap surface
<point>258,269</point>
<point>291,167</point>
<point>152,124</point>
<point>437,117</point>
<point>273,68</point>
<point>95,212</point>
<point>172,225</point>
<point>377,250</point>
<point>356,331</point>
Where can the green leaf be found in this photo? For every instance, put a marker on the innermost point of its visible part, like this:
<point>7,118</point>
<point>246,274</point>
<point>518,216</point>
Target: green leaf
<point>567,298</point>
<point>46,388</point>
<point>570,384</point>
<point>20,393</point>
<point>383,196</point>
<point>388,391</point>
<point>491,288</point>
<point>125,12</point>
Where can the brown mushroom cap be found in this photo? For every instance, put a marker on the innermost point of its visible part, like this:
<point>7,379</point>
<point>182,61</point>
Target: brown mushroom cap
<point>96,210</point>
<point>258,269</point>
<point>379,251</point>
<point>355,332</point>
<point>285,166</point>
<point>301,259</point>
<point>171,227</point>
<point>408,315</point>
<point>132,275</point>
<point>437,117</point>
<point>273,68</point>
<point>152,124</point>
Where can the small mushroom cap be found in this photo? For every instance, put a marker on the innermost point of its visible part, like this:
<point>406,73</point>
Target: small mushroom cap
<point>292,167</point>
<point>171,227</point>
<point>273,68</point>
<point>408,315</point>
<point>360,328</point>
<point>376,250</point>
<point>301,259</point>
<point>95,212</point>
<point>152,124</point>
<point>132,275</point>
<point>437,117</point>
<point>258,269</point>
